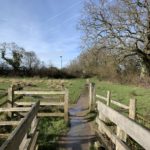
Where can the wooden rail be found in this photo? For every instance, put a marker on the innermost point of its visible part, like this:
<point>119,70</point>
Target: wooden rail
<point>24,136</point>
<point>140,134</point>
<point>15,102</point>
<point>93,96</point>
<point>124,126</point>
<point>39,92</point>
<point>112,101</point>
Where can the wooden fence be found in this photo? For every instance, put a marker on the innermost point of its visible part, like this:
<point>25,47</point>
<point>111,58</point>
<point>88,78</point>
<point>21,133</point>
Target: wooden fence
<point>13,100</point>
<point>124,126</point>
<point>24,136</point>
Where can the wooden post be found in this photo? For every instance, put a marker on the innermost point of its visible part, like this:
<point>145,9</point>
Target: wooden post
<point>108,98</point>
<point>66,105</point>
<point>121,134</point>
<point>23,143</point>
<point>132,109</point>
<point>94,95</point>
<point>34,122</point>
<point>10,99</point>
<point>90,96</point>
<point>102,117</point>
<point>10,95</point>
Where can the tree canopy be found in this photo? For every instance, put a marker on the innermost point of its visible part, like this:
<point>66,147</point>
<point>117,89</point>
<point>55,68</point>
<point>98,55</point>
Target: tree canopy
<point>120,26</point>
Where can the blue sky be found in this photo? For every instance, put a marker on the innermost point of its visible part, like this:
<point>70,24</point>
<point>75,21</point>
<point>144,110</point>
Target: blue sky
<point>47,27</point>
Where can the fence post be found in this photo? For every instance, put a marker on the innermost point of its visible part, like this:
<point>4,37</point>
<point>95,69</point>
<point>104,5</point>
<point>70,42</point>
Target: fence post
<point>108,98</point>
<point>121,134</point>
<point>132,109</point>
<point>90,96</point>
<point>23,143</point>
<point>10,96</point>
<point>10,99</point>
<point>94,95</point>
<point>66,105</point>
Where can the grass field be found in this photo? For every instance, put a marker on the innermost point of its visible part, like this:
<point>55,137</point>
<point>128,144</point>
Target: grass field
<point>74,86</point>
<point>49,128</point>
<point>52,128</point>
<point>123,93</point>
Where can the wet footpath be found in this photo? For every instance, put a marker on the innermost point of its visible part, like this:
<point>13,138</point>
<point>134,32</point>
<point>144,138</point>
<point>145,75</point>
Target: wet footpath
<point>80,134</point>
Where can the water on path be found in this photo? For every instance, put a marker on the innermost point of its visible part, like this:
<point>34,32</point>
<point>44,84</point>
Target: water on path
<point>80,134</point>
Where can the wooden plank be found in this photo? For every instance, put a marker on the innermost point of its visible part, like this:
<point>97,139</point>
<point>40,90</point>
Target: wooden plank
<point>101,97</point>
<point>32,136</point>
<point>133,129</point>
<point>119,104</point>
<point>15,109</point>
<point>50,114</point>
<point>9,123</point>
<point>23,143</point>
<point>41,104</point>
<point>33,143</point>
<point>18,134</point>
<point>39,92</point>
<point>111,135</point>
<point>113,102</point>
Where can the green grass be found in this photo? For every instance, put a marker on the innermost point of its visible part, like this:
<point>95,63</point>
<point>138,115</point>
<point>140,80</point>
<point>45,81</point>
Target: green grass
<point>75,88</point>
<point>123,93</point>
<point>49,132</point>
<point>49,128</point>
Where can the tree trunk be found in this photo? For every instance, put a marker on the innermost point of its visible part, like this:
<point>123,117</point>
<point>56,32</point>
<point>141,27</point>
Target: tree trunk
<point>145,68</point>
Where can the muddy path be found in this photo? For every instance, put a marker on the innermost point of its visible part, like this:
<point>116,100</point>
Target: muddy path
<point>80,134</point>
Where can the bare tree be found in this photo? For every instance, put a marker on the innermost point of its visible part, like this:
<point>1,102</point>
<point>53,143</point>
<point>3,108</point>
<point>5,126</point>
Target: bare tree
<point>30,60</point>
<point>122,26</point>
<point>16,53</point>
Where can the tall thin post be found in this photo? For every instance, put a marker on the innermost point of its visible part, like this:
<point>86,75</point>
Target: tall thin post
<point>94,95</point>
<point>132,109</point>
<point>90,96</point>
<point>66,105</point>
<point>10,95</point>
<point>108,98</point>
<point>61,62</point>
<point>10,98</point>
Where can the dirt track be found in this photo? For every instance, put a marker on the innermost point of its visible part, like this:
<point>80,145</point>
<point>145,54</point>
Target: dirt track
<point>80,134</point>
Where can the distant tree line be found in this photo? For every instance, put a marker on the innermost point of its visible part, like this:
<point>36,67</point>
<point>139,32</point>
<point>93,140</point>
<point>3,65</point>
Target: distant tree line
<point>16,61</point>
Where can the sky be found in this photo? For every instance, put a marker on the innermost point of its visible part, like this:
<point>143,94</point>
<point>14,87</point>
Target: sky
<point>48,27</point>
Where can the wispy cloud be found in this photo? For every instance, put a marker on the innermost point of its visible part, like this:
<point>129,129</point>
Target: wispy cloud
<point>51,38</point>
<point>64,11</point>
